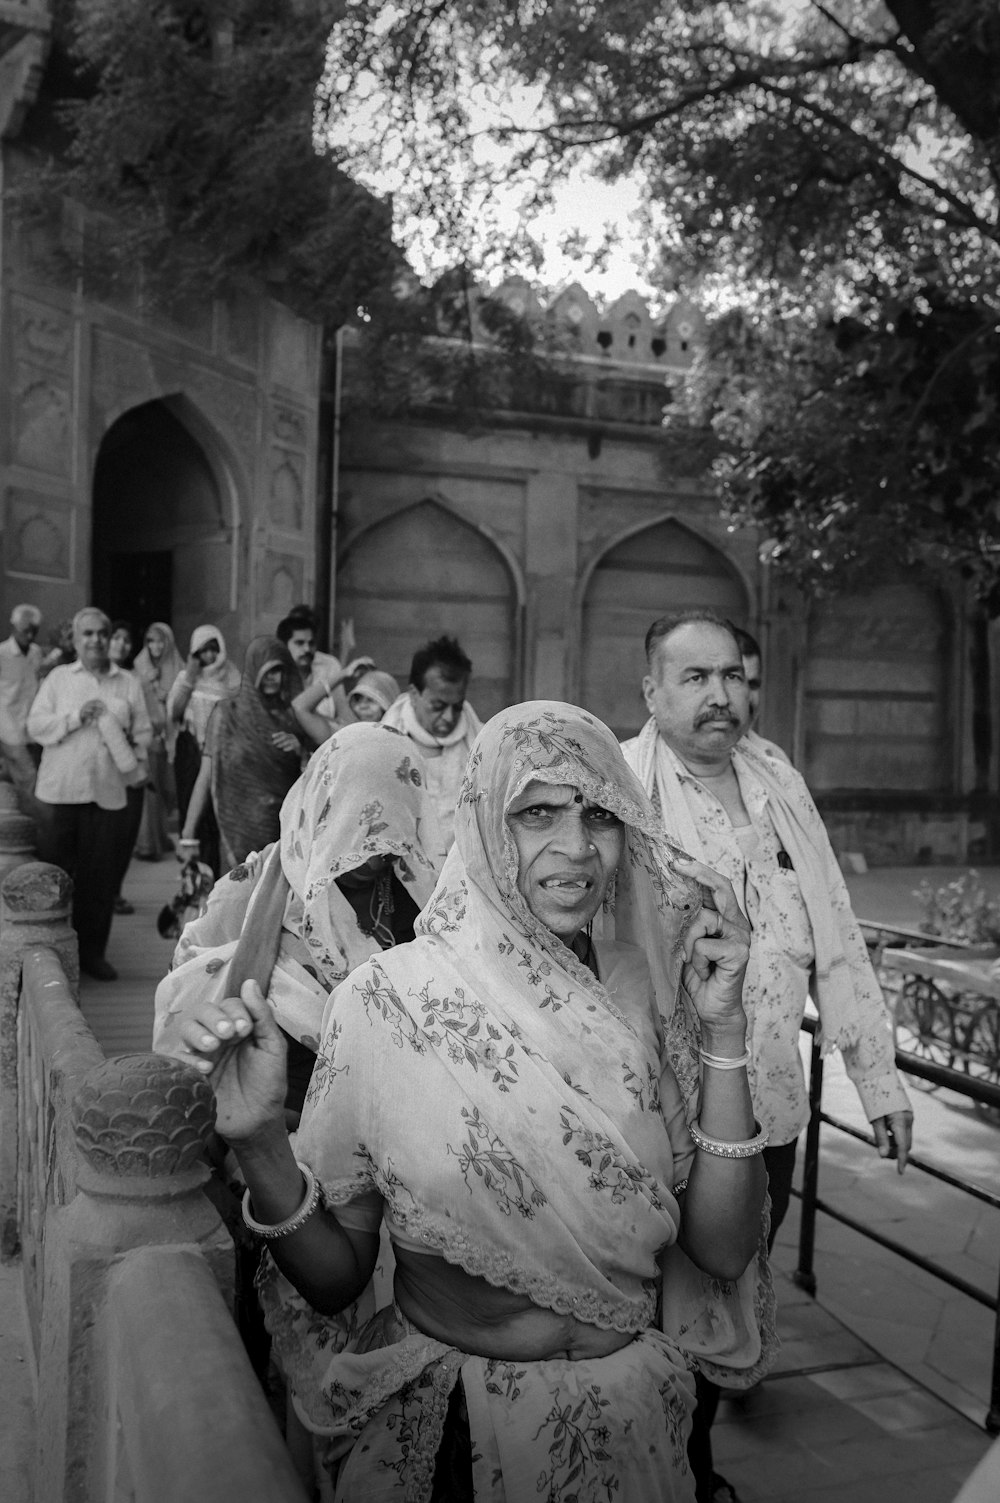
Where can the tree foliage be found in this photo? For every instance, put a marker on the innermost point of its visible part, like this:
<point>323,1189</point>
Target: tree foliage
<point>832,165</point>
<point>191,122</point>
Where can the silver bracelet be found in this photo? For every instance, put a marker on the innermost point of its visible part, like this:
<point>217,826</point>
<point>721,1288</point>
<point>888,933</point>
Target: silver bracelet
<point>679,1188</point>
<point>717,1061</point>
<point>740,1150</point>
<point>298,1218</point>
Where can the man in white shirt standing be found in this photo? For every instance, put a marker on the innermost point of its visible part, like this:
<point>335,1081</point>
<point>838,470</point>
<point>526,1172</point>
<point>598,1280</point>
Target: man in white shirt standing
<point>20,661</point>
<point>728,802</point>
<point>442,727</point>
<point>90,719</point>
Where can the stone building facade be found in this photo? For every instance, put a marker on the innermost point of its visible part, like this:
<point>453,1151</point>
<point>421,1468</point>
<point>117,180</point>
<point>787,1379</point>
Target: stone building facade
<point>160,461</point>
<point>549,536</point>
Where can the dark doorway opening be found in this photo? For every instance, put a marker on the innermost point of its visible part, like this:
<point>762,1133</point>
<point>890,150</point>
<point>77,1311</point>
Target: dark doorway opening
<point>162,549</point>
<point>140,588</point>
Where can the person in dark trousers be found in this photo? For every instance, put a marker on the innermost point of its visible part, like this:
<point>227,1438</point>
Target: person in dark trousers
<point>90,719</point>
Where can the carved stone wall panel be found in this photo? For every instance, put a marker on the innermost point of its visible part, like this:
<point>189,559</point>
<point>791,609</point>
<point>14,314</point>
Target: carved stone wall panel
<point>42,335</point>
<point>289,425</point>
<point>122,374</point>
<point>285,502</point>
<point>38,533</point>
<point>126,373</point>
<point>230,403</point>
<point>41,417</point>
<point>291,350</point>
<point>280,584</point>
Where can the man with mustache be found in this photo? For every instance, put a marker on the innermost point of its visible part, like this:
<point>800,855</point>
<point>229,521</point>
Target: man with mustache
<point>748,814</point>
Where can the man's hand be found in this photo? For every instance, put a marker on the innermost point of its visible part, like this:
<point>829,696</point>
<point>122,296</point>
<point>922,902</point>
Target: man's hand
<point>91,711</point>
<point>716,951</point>
<point>894,1137</point>
<point>237,1043</point>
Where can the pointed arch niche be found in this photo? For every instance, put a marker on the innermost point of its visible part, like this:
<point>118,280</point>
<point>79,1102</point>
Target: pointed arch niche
<point>424,572</point>
<point>650,573</point>
<point>877,711</point>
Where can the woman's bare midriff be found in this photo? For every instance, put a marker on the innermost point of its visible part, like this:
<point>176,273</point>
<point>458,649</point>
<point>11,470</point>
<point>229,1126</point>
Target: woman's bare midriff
<point>456,1307</point>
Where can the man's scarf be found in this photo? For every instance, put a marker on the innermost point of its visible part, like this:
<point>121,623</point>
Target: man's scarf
<point>844,986</point>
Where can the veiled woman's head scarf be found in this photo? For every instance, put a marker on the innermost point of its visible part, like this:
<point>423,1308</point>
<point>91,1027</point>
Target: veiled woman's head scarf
<point>378,686</point>
<point>650,902</point>
<point>219,680</point>
<point>161,674</point>
<point>362,795</point>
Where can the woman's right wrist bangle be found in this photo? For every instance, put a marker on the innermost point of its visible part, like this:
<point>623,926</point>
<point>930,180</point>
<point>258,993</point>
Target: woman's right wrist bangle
<point>719,1062</point>
<point>292,1223</point>
<point>745,1148</point>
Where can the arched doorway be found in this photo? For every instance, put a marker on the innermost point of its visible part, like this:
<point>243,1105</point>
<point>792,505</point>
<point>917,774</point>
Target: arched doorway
<point>651,573</point>
<point>420,574</point>
<point>877,713</point>
<point>161,539</point>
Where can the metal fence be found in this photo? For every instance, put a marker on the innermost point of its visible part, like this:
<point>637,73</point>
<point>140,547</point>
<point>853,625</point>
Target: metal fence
<point>982,1091</point>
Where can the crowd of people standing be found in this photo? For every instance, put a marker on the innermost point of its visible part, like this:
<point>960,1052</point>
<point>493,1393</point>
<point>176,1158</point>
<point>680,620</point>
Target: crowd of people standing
<point>502,1023</point>
<point>114,741</point>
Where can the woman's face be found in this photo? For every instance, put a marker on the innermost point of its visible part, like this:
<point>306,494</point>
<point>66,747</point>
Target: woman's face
<point>120,646</point>
<point>567,853</point>
<point>365,708</point>
<point>270,683</point>
<point>207,655</point>
<point>155,645</point>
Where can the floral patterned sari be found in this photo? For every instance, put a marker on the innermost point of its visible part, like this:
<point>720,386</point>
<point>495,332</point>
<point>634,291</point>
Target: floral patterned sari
<point>526,1121</point>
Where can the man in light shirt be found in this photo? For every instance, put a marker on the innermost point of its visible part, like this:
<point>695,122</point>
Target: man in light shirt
<point>91,721</point>
<point>728,802</point>
<point>20,662</point>
<point>324,680</point>
<point>442,726</point>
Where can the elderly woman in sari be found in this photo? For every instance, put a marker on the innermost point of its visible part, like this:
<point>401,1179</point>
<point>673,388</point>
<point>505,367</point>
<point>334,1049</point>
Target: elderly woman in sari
<point>556,1129</point>
<point>252,755</point>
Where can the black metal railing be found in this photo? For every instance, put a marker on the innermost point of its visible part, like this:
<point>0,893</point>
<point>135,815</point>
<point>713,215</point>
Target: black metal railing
<point>982,1091</point>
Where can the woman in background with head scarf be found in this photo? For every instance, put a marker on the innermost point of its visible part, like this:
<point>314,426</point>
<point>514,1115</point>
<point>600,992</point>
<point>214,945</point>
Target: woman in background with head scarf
<point>207,677</point>
<point>252,754</point>
<point>346,879</point>
<point>372,695</point>
<point>157,668</point>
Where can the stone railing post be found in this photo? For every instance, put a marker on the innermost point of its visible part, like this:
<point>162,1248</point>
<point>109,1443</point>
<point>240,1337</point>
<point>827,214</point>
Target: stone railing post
<point>142,1124</point>
<point>35,905</point>
<point>18,836</point>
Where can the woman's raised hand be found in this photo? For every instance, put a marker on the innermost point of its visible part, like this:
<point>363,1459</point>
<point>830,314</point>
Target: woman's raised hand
<point>716,951</point>
<point>237,1043</point>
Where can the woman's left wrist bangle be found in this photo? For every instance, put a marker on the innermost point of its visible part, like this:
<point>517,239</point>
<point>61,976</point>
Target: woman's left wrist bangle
<point>745,1148</point>
<point>724,1061</point>
<point>310,1202</point>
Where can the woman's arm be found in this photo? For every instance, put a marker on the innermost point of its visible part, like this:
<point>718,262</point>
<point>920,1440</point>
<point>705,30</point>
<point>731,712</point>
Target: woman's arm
<point>720,1228</point>
<point>317,727</point>
<point>200,795</point>
<point>238,1043</point>
<point>182,689</point>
